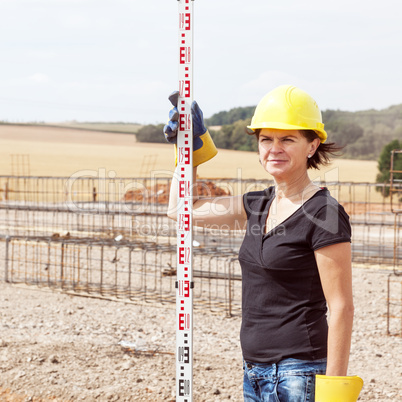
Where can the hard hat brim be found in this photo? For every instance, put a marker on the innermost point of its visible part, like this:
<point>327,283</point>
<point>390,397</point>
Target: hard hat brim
<point>283,126</point>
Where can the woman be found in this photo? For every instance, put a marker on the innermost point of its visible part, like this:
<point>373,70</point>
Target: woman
<point>296,253</point>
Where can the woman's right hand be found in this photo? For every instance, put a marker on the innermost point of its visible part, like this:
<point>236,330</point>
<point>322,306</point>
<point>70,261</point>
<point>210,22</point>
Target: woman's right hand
<point>203,146</point>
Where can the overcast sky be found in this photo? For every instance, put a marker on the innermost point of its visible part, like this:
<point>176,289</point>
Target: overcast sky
<point>116,60</point>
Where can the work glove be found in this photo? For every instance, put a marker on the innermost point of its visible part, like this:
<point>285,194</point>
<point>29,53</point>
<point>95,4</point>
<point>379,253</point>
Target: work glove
<point>337,389</point>
<point>203,147</point>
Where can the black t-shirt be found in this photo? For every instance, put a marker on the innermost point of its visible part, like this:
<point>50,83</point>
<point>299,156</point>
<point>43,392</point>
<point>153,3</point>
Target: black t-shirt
<point>283,304</point>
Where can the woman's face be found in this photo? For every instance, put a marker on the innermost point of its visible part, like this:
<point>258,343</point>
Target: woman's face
<point>283,153</point>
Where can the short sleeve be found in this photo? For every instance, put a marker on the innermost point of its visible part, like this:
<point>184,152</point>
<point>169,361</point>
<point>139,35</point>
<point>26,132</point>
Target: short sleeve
<point>255,201</point>
<point>330,225</point>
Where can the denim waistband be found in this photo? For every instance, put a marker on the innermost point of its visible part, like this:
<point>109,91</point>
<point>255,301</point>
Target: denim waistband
<point>288,366</point>
<point>287,362</point>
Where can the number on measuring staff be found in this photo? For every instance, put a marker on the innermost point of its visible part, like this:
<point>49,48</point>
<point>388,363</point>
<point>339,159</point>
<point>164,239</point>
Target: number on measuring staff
<point>184,21</point>
<point>184,387</point>
<point>183,155</point>
<point>184,87</point>
<point>184,222</point>
<point>184,188</point>
<point>184,322</point>
<point>185,54</point>
<point>184,255</point>
<point>184,288</point>
<point>183,354</point>
<point>184,122</point>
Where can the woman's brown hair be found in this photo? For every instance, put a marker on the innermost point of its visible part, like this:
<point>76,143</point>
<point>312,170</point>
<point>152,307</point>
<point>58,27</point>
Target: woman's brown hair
<point>322,156</point>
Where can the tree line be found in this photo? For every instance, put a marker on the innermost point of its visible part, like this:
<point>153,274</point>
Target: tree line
<point>370,134</point>
<point>362,134</point>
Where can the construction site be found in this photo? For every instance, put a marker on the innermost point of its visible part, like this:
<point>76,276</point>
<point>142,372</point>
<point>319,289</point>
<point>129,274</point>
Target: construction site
<point>105,243</point>
<point>157,238</point>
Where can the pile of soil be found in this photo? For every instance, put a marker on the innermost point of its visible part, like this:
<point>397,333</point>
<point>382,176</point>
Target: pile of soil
<point>159,193</point>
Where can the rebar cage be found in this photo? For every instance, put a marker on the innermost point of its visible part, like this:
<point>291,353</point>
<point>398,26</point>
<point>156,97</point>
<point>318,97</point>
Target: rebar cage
<point>142,272</point>
<point>110,236</point>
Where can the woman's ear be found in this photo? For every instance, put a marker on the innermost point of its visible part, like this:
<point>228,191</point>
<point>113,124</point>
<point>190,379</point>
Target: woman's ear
<point>314,145</point>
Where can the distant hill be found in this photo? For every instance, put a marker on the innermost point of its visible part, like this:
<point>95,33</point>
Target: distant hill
<point>112,127</point>
<point>231,116</point>
<point>362,133</point>
<point>118,127</point>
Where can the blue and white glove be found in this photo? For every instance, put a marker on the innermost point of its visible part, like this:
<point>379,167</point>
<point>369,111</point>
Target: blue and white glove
<point>203,147</point>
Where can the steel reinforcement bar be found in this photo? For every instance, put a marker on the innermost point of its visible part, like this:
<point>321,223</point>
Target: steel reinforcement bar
<point>100,207</point>
<point>141,272</point>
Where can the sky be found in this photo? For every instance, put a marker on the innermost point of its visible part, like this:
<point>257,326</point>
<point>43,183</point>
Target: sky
<point>117,60</point>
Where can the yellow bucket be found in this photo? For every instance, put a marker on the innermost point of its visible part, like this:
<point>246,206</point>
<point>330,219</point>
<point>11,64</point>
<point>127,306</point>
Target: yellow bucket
<point>337,389</point>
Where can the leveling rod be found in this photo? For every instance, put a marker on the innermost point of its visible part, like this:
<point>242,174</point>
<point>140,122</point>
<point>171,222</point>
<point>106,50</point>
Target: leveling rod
<point>184,284</point>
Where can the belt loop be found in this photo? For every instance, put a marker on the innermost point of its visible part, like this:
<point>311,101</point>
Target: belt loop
<point>275,370</point>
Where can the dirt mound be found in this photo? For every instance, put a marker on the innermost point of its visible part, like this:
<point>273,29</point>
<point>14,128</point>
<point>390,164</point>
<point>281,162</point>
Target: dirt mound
<point>159,193</point>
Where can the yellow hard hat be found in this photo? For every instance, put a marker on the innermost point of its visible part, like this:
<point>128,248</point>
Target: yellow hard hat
<point>337,389</point>
<point>288,108</point>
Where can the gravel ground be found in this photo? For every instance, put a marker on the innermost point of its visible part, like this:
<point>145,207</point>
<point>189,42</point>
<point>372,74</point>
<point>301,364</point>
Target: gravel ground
<point>60,347</point>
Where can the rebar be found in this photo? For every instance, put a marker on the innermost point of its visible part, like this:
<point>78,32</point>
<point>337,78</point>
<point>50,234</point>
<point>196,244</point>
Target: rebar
<point>103,207</point>
<point>111,237</point>
<point>123,270</point>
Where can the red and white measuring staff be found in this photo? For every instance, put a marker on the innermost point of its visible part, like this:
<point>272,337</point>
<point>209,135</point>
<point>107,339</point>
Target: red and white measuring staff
<point>184,284</point>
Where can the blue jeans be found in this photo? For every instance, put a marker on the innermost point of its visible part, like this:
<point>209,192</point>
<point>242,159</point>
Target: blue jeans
<point>290,380</point>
